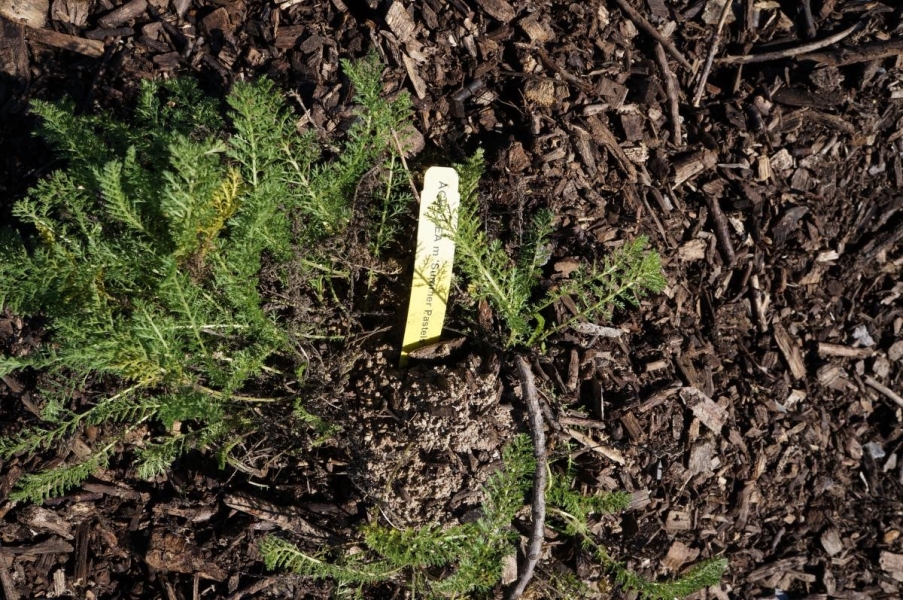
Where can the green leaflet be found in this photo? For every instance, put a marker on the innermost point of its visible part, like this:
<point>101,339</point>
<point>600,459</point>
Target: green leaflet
<point>145,255</point>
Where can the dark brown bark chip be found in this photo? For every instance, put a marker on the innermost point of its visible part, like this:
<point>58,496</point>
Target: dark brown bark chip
<point>498,9</point>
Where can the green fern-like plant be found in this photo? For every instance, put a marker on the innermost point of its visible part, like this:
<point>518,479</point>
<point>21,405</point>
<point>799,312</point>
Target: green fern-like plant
<point>145,257</point>
<point>509,285</point>
<point>456,560</point>
<point>466,559</point>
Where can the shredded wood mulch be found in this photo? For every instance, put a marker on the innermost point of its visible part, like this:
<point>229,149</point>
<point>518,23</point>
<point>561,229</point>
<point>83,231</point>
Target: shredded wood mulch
<point>754,408</point>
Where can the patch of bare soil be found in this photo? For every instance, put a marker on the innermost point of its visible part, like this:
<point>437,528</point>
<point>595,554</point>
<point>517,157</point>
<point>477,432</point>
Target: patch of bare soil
<point>424,440</point>
<point>754,408</point>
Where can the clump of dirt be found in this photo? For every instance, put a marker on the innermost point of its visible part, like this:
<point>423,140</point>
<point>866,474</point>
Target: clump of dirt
<point>427,438</point>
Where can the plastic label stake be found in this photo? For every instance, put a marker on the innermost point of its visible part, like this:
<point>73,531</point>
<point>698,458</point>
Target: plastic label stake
<point>433,261</point>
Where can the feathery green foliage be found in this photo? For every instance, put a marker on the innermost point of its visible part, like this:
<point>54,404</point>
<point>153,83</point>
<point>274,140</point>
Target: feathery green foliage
<point>146,259</point>
<point>466,559</point>
<point>459,559</point>
<point>623,278</point>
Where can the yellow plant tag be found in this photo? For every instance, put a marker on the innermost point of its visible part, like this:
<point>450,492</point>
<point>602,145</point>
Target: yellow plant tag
<point>433,261</point>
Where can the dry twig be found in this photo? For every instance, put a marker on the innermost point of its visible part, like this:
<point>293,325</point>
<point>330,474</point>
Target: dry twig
<point>537,534</point>
<point>829,349</point>
<point>55,39</point>
<point>672,92</point>
<point>722,229</point>
<point>254,588</point>
<point>646,26</point>
<point>716,41</point>
<point>789,52</point>
<point>889,393</point>
<point>841,57</point>
<point>808,19</point>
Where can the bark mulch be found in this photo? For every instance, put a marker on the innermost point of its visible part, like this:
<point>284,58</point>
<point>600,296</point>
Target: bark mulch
<point>753,408</point>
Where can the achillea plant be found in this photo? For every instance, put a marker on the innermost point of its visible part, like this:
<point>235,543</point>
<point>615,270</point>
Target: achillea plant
<point>145,261</point>
<point>509,286</point>
<point>467,559</point>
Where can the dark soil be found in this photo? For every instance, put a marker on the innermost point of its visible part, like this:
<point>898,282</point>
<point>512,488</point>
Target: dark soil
<point>752,404</point>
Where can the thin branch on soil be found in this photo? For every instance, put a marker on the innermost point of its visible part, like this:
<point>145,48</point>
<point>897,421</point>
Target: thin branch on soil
<point>722,229</point>
<point>716,41</point>
<point>537,534</point>
<point>646,26</point>
<point>55,39</point>
<point>789,52</point>
<point>808,19</point>
<point>829,349</point>
<point>672,92</point>
<point>841,57</point>
<point>570,78</point>
<point>889,393</point>
<point>254,588</point>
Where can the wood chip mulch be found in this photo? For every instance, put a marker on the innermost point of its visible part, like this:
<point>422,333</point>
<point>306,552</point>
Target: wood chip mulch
<point>754,408</point>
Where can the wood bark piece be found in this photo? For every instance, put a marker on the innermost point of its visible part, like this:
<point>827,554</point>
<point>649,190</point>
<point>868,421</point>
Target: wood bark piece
<point>51,546</point>
<point>6,580</point>
<point>808,19</point>
<point>498,9</point>
<point>693,164</point>
<point>830,541</point>
<point>892,563</point>
<point>287,518</point>
<point>400,22</point>
<point>722,229</point>
<point>537,431</point>
<point>605,137</point>
<point>607,452</point>
<point>678,555</point>
<point>102,34</point>
<point>790,350</point>
<point>38,517</point>
<point>646,26</point>
<point>55,39</point>
<point>789,52</point>
<point>879,244</point>
<point>254,588</point>
<point>704,408</point>
<point>701,458</point>
<point>823,118</point>
<point>778,566</point>
<point>123,13</point>
<point>169,552</point>
<point>678,520</point>
<point>538,31</point>
<point>30,12</point>
<point>73,12</point>
<point>840,57</point>
<point>416,80</point>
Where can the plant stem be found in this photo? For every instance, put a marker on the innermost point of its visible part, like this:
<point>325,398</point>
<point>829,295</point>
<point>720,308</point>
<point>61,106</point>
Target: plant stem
<point>218,394</point>
<point>607,300</point>
<point>537,534</point>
